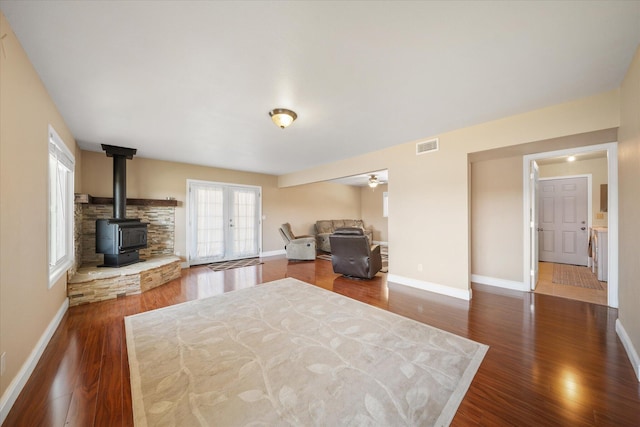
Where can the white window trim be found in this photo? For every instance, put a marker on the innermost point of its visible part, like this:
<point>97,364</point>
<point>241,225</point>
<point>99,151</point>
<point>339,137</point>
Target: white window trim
<point>57,146</point>
<point>385,204</point>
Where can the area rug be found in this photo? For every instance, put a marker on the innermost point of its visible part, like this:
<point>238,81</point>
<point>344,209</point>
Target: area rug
<point>228,265</point>
<point>384,254</point>
<point>575,275</point>
<point>290,353</point>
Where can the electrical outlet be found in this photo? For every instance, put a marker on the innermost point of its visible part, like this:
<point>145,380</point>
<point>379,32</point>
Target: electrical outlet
<point>177,253</point>
<point>2,363</point>
<point>419,267</point>
<point>599,215</point>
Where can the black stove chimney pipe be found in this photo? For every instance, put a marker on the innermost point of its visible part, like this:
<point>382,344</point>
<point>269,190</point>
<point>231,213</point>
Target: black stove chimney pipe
<point>120,156</point>
<point>119,187</point>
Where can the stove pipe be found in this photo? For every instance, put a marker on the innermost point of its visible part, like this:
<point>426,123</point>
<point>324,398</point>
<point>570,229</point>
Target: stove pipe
<point>120,156</point>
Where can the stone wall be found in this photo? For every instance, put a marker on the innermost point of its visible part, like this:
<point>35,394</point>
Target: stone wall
<point>77,240</point>
<point>160,231</point>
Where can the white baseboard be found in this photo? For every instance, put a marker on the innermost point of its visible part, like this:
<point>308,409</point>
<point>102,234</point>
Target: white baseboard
<point>17,384</point>
<point>377,242</point>
<point>273,253</point>
<point>500,283</point>
<point>464,294</point>
<point>628,346</point>
<point>184,265</point>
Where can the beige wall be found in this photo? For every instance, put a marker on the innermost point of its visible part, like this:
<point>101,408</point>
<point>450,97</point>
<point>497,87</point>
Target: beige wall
<point>496,218</point>
<point>429,194</point>
<point>629,203</point>
<point>301,206</point>
<point>596,167</point>
<point>371,212</point>
<point>27,305</point>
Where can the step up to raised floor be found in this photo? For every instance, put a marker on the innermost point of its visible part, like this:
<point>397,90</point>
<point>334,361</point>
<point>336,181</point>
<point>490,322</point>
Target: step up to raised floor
<point>93,284</point>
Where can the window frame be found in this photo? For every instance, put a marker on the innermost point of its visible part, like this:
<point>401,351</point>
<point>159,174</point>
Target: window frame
<point>63,157</point>
<point>385,204</point>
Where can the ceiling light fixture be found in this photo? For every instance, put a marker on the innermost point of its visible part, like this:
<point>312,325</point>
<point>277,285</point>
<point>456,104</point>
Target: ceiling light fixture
<point>282,117</point>
<point>373,181</point>
<point>571,159</point>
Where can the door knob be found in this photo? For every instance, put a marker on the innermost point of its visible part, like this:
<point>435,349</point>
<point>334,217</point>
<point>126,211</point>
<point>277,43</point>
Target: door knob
<point>583,228</point>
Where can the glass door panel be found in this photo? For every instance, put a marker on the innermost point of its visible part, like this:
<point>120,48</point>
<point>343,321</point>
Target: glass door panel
<point>243,221</point>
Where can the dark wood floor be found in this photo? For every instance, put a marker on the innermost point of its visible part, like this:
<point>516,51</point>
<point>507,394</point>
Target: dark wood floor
<point>552,361</point>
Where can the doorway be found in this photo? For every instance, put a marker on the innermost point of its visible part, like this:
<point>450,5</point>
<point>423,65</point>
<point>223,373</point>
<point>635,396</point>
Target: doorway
<point>223,221</point>
<point>531,212</point>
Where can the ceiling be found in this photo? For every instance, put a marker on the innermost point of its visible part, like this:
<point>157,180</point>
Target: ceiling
<point>194,81</point>
<point>590,155</point>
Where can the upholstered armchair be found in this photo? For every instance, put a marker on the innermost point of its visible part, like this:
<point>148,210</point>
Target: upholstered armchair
<point>298,247</point>
<point>352,255</point>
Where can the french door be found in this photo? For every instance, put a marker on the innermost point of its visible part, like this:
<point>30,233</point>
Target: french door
<point>223,221</point>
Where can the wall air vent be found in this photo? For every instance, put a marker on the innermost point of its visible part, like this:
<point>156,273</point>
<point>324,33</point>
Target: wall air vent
<point>427,146</point>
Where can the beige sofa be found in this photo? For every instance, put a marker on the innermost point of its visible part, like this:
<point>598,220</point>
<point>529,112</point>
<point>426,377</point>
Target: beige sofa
<point>326,228</point>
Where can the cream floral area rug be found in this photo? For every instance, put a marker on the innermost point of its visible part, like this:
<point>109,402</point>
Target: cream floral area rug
<point>290,353</point>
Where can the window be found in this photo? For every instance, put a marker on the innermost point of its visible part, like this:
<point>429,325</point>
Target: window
<point>61,170</point>
<point>385,204</point>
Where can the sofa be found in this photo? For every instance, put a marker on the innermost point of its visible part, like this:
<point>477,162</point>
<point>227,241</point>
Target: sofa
<point>326,228</point>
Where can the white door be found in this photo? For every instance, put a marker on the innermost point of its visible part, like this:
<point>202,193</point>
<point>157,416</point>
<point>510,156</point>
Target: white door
<point>535,188</point>
<point>562,208</point>
<point>223,222</point>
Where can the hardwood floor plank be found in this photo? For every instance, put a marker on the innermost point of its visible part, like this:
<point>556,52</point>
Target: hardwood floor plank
<point>551,361</point>
<point>110,395</point>
<point>82,409</point>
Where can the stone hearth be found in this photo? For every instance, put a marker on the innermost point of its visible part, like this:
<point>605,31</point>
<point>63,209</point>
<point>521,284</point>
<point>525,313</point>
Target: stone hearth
<point>93,284</point>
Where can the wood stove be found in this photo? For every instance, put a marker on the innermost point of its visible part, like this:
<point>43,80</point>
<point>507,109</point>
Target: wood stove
<point>120,238</point>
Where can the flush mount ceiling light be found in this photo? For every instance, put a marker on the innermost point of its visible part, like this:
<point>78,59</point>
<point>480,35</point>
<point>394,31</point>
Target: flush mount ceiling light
<point>571,159</point>
<point>282,117</point>
<point>373,181</point>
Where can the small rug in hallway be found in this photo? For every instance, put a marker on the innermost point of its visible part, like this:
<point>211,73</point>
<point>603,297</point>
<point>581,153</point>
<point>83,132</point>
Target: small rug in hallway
<point>228,265</point>
<point>290,353</point>
<point>384,254</point>
<point>575,275</point>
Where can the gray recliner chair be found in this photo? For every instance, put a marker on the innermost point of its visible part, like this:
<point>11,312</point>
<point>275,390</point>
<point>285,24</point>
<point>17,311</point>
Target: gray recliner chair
<point>352,255</point>
<point>298,247</point>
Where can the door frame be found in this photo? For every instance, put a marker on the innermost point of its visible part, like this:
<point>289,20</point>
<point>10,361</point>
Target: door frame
<point>612,212</point>
<point>535,219</point>
<point>189,236</point>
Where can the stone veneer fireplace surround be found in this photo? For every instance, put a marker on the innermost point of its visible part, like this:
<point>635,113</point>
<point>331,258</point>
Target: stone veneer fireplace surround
<point>88,283</point>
